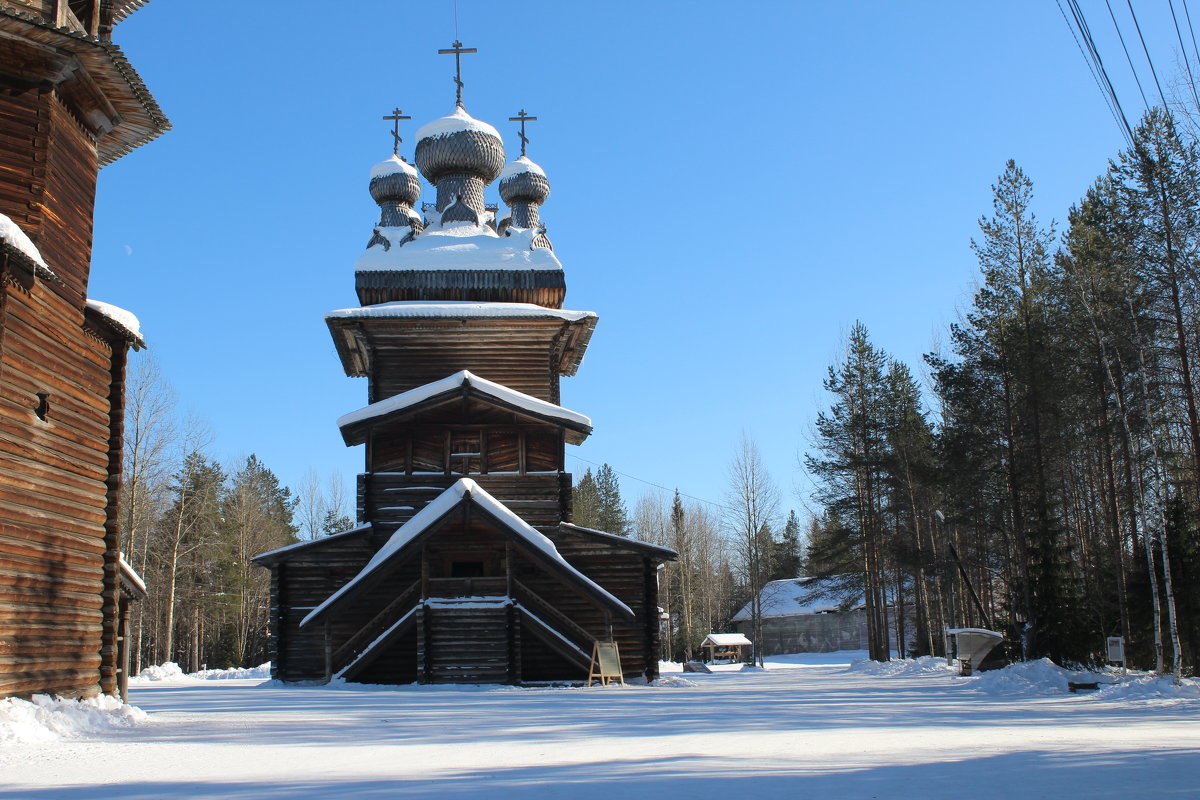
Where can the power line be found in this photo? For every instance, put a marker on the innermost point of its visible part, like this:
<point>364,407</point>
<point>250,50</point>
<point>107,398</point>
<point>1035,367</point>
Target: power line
<point>1187,62</point>
<point>1187,14</point>
<point>649,483</point>
<point>1096,64</point>
<point>1088,62</point>
<point>1128,57</point>
<point>1146,50</point>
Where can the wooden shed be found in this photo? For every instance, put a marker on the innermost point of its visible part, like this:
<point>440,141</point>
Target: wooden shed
<point>70,103</point>
<point>464,565</point>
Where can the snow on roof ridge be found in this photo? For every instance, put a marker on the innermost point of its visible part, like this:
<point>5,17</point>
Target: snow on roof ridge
<point>521,165</point>
<point>459,309</point>
<point>362,526</point>
<point>454,122</point>
<point>451,382</point>
<point>12,233</point>
<point>125,320</point>
<point>463,488</point>
<point>391,165</point>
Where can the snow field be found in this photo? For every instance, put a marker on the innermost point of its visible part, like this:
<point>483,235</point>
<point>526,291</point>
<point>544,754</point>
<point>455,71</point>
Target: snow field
<point>807,726</point>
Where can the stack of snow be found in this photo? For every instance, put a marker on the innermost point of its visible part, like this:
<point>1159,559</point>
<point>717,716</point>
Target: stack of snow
<point>903,668</point>
<point>46,718</point>
<point>170,671</point>
<point>261,672</point>
<point>11,232</point>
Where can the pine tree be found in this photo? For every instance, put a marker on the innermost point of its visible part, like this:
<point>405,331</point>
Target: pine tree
<point>611,516</point>
<point>585,502</point>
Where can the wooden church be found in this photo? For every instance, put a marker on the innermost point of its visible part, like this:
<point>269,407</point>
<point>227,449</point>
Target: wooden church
<point>464,567</point>
<point>70,103</point>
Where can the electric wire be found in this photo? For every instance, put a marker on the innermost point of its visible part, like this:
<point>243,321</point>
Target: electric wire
<point>1087,60</point>
<point>1154,73</point>
<point>650,483</point>
<point>1187,14</point>
<point>1187,62</point>
<point>1128,57</point>
<point>1095,63</point>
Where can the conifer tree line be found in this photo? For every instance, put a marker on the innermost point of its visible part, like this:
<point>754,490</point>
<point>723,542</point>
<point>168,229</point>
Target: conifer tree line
<point>191,527</point>
<point>1052,492</point>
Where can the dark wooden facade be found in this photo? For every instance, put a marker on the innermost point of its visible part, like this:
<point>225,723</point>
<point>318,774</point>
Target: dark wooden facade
<point>465,566</point>
<point>69,103</point>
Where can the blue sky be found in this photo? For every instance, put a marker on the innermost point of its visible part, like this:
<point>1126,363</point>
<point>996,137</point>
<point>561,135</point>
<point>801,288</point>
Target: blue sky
<point>733,185</point>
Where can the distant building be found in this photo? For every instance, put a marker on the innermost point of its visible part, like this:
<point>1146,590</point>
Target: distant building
<point>70,103</point>
<point>807,615</point>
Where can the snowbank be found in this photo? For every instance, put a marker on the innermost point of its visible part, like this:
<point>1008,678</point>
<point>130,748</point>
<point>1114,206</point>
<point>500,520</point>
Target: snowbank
<point>170,671</point>
<point>46,718</point>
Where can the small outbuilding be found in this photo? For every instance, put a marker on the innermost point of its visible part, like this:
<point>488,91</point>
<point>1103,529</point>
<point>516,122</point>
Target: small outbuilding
<point>728,648</point>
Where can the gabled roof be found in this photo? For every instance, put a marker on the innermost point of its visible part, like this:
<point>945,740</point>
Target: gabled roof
<point>793,597</point>
<point>624,542</point>
<point>271,557</point>
<point>428,519</point>
<point>356,424</point>
<point>725,640</point>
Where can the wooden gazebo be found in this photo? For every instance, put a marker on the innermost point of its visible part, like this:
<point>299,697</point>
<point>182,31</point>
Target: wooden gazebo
<point>726,647</point>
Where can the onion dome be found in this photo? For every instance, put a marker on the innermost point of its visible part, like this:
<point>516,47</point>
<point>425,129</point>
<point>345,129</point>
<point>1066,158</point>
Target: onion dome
<point>396,188</point>
<point>523,181</point>
<point>523,188</point>
<point>394,180</point>
<point>460,156</point>
<point>458,143</point>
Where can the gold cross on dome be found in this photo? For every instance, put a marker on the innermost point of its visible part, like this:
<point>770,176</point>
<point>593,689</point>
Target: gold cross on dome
<point>522,117</point>
<point>458,50</point>
<point>395,117</point>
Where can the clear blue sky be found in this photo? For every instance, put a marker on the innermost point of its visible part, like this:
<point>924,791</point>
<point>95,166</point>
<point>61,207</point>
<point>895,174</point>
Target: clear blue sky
<point>733,185</point>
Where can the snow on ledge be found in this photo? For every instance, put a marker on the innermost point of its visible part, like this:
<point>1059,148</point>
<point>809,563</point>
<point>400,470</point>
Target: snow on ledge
<point>459,246</point>
<point>464,378</point>
<point>460,309</point>
<point>124,321</point>
<point>11,232</point>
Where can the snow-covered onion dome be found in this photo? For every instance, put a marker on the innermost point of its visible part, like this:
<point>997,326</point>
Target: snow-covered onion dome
<point>523,187</point>
<point>460,156</point>
<point>396,188</point>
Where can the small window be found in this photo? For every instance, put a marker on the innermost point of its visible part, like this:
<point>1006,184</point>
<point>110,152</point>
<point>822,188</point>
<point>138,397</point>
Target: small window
<point>43,406</point>
<point>466,569</point>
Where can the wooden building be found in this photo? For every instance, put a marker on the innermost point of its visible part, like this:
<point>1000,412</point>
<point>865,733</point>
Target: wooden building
<point>70,103</point>
<point>464,566</point>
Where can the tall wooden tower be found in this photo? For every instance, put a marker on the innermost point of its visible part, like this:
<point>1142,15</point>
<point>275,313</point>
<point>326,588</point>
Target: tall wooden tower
<point>69,103</point>
<point>464,566</point>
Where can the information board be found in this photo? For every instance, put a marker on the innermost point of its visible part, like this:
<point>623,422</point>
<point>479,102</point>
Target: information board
<point>606,664</point>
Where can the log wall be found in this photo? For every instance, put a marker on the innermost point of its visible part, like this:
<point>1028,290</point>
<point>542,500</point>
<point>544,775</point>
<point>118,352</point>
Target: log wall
<point>54,497</point>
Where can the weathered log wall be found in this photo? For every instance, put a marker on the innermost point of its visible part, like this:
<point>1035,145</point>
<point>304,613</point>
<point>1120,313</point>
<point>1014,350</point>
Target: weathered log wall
<point>54,497</point>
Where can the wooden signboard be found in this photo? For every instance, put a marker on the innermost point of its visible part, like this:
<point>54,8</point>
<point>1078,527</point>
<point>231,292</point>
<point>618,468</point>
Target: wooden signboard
<point>606,664</point>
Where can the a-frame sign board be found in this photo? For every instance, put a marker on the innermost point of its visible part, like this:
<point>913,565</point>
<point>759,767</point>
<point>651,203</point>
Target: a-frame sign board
<point>606,664</point>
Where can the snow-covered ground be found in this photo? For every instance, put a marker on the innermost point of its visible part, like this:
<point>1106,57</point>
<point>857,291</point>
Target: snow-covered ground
<point>808,726</point>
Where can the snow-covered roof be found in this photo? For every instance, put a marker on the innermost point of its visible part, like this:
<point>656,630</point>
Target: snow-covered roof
<point>519,166</point>
<point>453,383</point>
<point>457,120</point>
<point>392,165</point>
<point>130,574</point>
<point>458,245</point>
<point>11,233</point>
<point>124,321</point>
<point>459,309</point>
<point>725,639</point>
<point>468,490</point>
<point>799,596</point>
<point>271,554</point>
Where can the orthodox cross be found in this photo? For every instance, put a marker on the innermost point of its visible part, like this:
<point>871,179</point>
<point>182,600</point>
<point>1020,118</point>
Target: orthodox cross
<point>522,117</point>
<point>458,50</point>
<point>396,140</point>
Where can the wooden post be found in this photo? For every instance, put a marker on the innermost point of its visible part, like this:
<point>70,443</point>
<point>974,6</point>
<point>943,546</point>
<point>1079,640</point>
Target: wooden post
<point>328,653</point>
